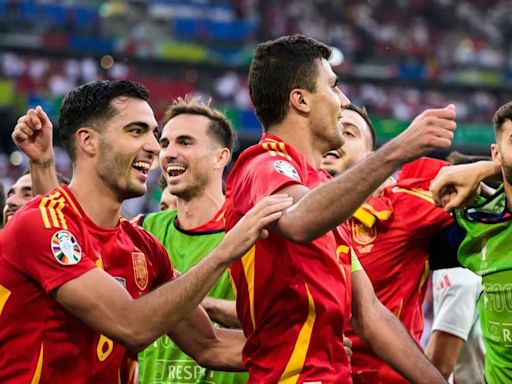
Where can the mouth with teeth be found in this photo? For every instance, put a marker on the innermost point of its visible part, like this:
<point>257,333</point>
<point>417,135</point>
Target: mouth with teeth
<point>175,170</point>
<point>142,167</point>
<point>334,155</point>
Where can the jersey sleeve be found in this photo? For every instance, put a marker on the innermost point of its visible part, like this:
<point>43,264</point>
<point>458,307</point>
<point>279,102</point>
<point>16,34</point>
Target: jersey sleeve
<point>456,291</point>
<point>262,176</point>
<point>418,211</point>
<point>50,256</point>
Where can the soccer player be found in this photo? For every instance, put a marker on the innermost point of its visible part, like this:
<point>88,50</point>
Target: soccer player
<point>455,346</point>
<point>75,276</point>
<point>20,193</point>
<point>167,200</point>
<point>295,290</point>
<point>390,233</point>
<point>196,144</point>
<point>482,234</point>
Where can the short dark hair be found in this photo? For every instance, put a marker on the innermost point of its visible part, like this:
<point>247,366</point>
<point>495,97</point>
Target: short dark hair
<point>364,114</point>
<point>277,67</point>
<point>219,129</point>
<point>503,114</point>
<point>90,103</point>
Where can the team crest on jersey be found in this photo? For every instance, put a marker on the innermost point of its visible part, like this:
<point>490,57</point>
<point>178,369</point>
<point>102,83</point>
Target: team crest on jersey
<point>65,248</point>
<point>286,169</point>
<point>140,270</point>
<point>361,234</point>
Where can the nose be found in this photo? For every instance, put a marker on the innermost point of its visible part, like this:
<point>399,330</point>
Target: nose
<point>344,100</point>
<point>14,201</point>
<point>152,145</point>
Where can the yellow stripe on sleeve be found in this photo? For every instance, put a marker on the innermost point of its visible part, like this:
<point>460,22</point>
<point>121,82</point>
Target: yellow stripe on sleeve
<point>44,213</point>
<point>68,199</point>
<point>296,363</point>
<point>266,147</point>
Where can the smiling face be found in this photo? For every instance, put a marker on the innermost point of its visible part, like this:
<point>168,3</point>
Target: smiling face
<point>188,156</point>
<point>18,195</point>
<point>358,144</point>
<point>127,147</point>
<point>327,104</point>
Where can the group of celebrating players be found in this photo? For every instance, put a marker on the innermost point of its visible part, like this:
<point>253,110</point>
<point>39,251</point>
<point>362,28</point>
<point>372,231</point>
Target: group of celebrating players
<point>328,247</point>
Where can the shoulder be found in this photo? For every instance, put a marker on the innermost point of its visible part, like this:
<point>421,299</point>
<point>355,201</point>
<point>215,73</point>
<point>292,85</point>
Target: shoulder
<point>43,213</point>
<point>456,277</point>
<point>159,217</point>
<point>422,168</point>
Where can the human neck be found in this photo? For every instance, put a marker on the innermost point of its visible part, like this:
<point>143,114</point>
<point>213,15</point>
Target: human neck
<point>200,209</point>
<point>508,193</point>
<point>97,200</point>
<point>304,142</point>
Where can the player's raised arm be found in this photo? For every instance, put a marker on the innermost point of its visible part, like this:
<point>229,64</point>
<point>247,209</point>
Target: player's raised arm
<point>457,185</point>
<point>335,201</point>
<point>33,136</point>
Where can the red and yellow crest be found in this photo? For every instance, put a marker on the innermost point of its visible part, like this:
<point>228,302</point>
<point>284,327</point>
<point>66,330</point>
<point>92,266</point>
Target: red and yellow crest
<point>361,234</point>
<point>140,270</point>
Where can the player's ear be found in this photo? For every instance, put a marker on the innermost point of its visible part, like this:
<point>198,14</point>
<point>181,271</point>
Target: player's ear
<point>495,153</point>
<point>299,100</point>
<point>222,157</point>
<point>86,140</point>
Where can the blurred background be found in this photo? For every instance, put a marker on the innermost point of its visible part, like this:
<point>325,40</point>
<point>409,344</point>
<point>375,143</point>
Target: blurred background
<point>396,57</point>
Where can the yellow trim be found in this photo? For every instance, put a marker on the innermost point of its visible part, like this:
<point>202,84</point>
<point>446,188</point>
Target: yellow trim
<point>70,201</point>
<point>268,139</point>
<point>400,307</point>
<point>426,273</point>
<point>62,219</point>
<point>421,193</point>
<point>266,147</point>
<point>233,286</point>
<point>37,374</point>
<point>381,215</point>
<point>248,265</point>
<point>342,249</point>
<point>44,214</point>
<point>296,363</point>
<point>53,215</point>
<point>99,263</point>
<point>4,295</point>
<point>367,219</point>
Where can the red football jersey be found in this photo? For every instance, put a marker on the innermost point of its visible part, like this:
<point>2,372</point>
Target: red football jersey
<point>292,299</point>
<point>391,235</point>
<point>47,243</point>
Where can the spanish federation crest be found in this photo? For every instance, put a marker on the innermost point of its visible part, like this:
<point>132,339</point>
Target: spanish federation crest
<point>65,248</point>
<point>362,234</point>
<point>286,169</point>
<point>140,270</point>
